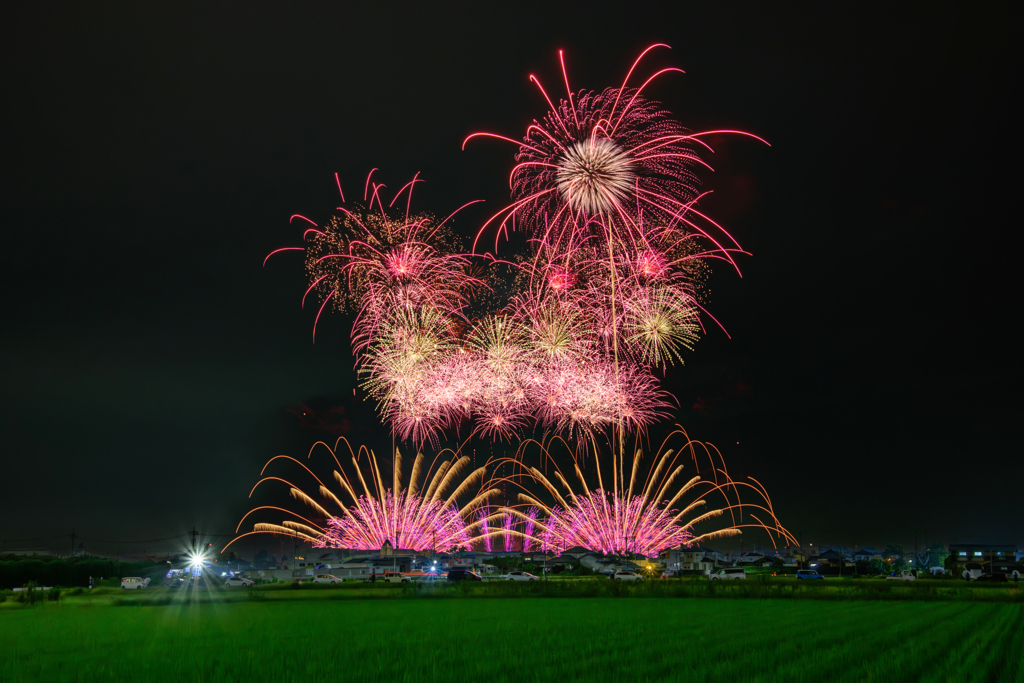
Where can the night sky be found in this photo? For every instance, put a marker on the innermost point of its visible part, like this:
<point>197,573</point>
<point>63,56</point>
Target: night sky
<point>151,160</point>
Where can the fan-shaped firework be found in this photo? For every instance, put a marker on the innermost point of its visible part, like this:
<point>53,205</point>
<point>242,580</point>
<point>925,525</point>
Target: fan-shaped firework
<point>632,512</point>
<point>423,515</point>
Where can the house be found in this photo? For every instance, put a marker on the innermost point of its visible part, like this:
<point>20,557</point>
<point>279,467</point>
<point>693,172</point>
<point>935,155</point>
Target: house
<point>598,563</point>
<point>866,554</point>
<point>982,552</point>
<point>754,560</point>
<point>832,558</point>
<point>695,558</point>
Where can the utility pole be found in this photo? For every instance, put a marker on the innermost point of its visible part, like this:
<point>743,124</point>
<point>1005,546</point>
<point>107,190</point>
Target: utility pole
<point>72,542</point>
<point>194,533</point>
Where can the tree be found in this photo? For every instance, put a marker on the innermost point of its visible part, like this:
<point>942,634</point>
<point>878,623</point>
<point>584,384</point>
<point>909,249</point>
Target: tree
<point>938,554</point>
<point>263,560</point>
<point>892,550</point>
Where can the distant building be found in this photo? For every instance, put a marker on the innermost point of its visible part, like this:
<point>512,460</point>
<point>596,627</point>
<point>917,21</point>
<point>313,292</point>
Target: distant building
<point>695,558</point>
<point>982,553</point>
<point>866,554</point>
<point>832,558</point>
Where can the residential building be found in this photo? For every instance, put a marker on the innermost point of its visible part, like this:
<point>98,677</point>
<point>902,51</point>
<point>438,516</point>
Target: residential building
<point>866,554</point>
<point>695,558</point>
<point>982,552</point>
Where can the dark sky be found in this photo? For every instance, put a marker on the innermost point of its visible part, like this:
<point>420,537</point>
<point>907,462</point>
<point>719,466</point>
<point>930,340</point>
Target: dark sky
<point>151,159</point>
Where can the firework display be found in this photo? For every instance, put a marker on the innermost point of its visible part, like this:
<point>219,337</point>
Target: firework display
<point>609,292</point>
<point>625,510</point>
<point>420,516</point>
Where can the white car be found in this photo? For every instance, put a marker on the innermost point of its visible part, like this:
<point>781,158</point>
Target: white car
<point>238,581</point>
<point>729,574</point>
<point>328,579</point>
<point>626,576</point>
<point>395,577</point>
<point>521,576</point>
<point>134,582</point>
<point>905,575</point>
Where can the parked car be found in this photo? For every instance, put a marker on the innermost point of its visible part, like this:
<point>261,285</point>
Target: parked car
<point>992,577</point>
<point>729,574</point>
<point>1012,570</point>
<point>134,582</point>
<point>808,575</point>
<point>626,576</point>
<point>905,575</point>
<point>463,575</point>
<point>327,578</point>
<point>238,581</point>
<point>520,576</point>
<point>669,574</point>
<point>395,577</point>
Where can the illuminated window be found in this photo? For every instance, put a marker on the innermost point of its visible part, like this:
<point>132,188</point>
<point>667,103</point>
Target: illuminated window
<point>964,553</point>
<point>977,553</point>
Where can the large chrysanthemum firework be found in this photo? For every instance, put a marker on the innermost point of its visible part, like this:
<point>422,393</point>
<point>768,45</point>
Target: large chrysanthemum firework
<point>423,515</point>
<point>598,162</point>
<point>628,511</point>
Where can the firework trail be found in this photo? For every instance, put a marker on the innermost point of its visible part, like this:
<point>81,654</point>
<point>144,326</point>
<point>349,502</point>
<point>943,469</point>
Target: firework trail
<point>421,515</point>
<point>483,519</point>
<point>529,524</point>
<point>508,528</point>
<point>627,510</point>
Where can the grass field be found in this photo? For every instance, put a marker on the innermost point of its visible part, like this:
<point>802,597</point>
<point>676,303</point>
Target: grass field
<point>300,638</point>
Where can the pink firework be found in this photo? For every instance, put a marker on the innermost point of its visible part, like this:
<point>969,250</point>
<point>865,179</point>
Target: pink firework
<point>633,511</point>
<point>365,514</point>
<point>597,162</point>
<point>404,521</point>
<point>606,186</point>
<point>483,521</point>
<point>529,524</point>
<point>508,532</point>
<point>373,260</point>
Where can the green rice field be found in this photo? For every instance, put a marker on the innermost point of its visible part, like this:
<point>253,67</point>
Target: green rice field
<point>294,636</point>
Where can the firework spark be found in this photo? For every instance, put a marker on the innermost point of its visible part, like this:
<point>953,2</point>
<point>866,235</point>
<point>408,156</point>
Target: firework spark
<point>421,515</point>
<point>611,290</point>
<point>600,161</point>
<point>632,512</point>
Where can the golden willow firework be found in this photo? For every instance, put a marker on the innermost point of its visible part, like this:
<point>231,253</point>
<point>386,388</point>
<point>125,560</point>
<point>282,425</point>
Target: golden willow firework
<point>363,512</point>
<point>628,507</point>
